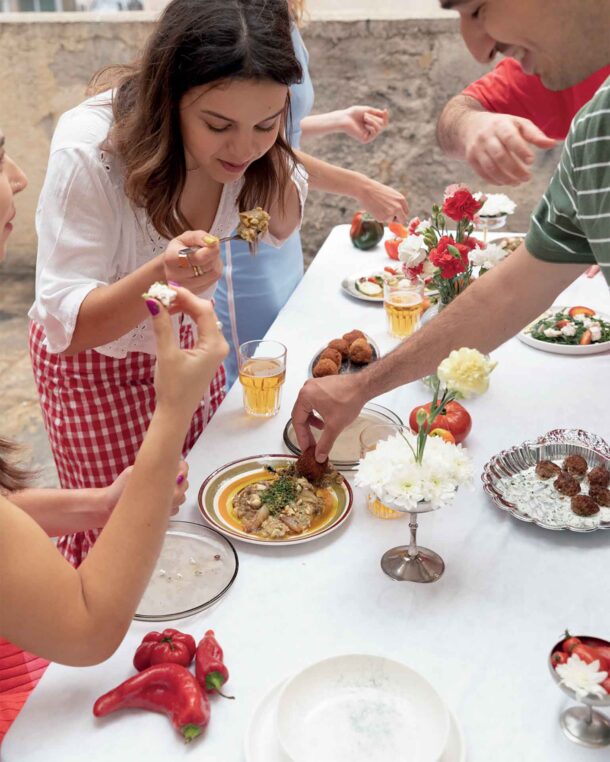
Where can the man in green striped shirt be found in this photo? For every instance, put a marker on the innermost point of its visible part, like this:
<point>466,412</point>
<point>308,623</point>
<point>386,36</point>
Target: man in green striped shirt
<point>563,41</point>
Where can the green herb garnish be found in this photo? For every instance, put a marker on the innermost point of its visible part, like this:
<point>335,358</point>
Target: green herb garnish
<point>279,493</point>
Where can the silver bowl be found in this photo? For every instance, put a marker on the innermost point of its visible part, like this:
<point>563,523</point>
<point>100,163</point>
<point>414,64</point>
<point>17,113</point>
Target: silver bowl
<point>555,445</point>
<point>582,724</point>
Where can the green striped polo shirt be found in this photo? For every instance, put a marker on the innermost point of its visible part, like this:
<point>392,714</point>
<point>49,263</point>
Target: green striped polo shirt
<point>572,221</point>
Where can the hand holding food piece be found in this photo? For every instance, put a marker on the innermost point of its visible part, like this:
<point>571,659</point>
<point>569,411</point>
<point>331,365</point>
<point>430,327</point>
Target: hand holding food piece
<point>308,466</point>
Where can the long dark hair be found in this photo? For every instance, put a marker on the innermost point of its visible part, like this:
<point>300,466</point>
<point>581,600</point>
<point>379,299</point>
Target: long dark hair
<point>12,477</point>
<point>196,42</point>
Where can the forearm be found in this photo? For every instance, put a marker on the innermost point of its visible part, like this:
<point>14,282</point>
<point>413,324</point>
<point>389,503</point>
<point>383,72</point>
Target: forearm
<point>63,511</point>
<point>453,122</point>
<point>79,616</point>
<point>317,125</point>
<point>109,312</point>
<point>489,312</point>
<point>330,178</point>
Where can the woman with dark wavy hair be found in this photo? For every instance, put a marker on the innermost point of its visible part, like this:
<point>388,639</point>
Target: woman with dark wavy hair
<point>172,149</point>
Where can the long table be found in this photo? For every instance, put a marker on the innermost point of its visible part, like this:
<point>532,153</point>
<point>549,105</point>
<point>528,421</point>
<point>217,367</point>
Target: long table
<point>481,634</point>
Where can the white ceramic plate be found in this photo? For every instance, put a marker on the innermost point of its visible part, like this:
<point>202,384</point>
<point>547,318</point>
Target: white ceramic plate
<point>348,285</point>
<point>217,492</point>
<point>361,708</point>
<point>261,743</point>
<point>563,349</point>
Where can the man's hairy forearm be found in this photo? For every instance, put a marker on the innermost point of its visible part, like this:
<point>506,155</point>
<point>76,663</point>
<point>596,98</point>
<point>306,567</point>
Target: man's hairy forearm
<point>451,124</point>
<point>488,313</point>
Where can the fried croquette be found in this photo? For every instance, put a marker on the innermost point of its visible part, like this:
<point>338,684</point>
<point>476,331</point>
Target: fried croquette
<point>341,346</point>
<point>352,336</point>
<point>308,466</point>
<point>360,352</point>
<point>546,469</point>
<point>601,495</point>
<point>566,484</point>
<point>599,476</point>
<point>331,354</point>
<point>575,465</point>
<point>325,367</point>
<point>583,505</point>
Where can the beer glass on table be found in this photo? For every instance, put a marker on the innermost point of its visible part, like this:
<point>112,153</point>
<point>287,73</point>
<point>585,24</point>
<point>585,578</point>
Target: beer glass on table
<point>403,301</point>
<point>262,370</point>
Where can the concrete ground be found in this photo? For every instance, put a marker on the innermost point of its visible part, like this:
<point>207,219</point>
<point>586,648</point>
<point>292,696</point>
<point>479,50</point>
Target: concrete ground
<point>20,416</point>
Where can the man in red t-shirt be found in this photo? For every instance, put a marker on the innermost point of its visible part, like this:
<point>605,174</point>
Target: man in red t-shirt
<point>496,120</point>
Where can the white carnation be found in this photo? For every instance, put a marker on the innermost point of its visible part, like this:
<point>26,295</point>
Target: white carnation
<point>495,205</point>
<point>412,250</point>
<point>488,257</point>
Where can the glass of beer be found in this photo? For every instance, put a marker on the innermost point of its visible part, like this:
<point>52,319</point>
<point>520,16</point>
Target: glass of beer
<point>370,436</point>
<point>262,370</point>
<point>403,301</point>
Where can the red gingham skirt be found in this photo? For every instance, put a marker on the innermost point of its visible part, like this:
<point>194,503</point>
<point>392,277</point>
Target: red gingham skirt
<point>20,672</point>
<point>96,410</point>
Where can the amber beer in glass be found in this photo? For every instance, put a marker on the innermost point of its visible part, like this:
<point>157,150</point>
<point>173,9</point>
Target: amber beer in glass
<point>262,370</point>
<point>403,301</point>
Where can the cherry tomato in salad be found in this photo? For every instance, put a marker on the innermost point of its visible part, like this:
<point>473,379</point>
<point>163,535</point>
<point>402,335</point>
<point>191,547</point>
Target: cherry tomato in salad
<point>391,270</point>
<point>586,338</point>
<point>561,324</point>
<point>573,311</point>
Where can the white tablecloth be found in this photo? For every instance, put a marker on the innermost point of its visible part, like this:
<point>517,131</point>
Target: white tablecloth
<point>481,634</point>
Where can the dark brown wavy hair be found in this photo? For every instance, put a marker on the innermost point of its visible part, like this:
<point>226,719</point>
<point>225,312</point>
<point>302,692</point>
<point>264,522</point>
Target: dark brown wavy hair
<point>12,477</point>
<point>196,42</point>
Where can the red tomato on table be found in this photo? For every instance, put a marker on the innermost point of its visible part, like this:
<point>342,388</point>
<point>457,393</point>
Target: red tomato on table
<point>454,417</point>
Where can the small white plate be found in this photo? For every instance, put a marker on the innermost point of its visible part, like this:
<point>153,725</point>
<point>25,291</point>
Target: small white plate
<point>361,708</point>
<point>563,349</point>
<point>261,743</point>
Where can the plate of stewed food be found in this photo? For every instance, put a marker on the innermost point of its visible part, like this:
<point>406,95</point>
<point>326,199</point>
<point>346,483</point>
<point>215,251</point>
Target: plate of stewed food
<point>276,499</point>
<point>577,330</point>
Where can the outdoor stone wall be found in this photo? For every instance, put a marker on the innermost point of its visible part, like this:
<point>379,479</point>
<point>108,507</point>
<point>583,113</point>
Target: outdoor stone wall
<point>412,66</point>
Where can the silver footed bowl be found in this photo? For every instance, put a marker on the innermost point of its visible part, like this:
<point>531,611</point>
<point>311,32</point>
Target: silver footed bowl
<point>588,700</point>
<point>505,480</point>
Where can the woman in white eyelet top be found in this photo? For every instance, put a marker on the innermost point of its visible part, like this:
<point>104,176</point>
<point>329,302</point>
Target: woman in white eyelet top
<point>92,347</point>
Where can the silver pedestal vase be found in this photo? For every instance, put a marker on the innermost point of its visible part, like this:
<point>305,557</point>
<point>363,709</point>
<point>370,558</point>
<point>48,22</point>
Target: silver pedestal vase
<point>412,563</point>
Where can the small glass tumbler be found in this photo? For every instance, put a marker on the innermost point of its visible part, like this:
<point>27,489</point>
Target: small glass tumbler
<point>403,301</point>
<point>370,436</point>
<point>262,371</point>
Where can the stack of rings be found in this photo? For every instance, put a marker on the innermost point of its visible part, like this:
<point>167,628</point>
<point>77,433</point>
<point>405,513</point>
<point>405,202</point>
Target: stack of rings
<point>184,260</point>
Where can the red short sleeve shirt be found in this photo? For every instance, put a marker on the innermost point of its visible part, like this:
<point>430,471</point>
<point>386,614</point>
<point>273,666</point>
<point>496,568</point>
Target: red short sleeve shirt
<point>507,89</point>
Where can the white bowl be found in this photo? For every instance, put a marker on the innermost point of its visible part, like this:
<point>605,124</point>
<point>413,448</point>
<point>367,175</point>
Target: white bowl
<point>361,708</point>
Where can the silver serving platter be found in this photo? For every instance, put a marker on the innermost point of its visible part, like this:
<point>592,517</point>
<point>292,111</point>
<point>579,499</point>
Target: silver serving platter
<point>555,445</point>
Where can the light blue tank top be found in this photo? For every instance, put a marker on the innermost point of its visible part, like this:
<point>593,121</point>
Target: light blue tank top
<point>258,287</point>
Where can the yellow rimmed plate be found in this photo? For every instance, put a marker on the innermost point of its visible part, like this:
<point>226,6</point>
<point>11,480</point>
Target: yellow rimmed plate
<point>218,490</point>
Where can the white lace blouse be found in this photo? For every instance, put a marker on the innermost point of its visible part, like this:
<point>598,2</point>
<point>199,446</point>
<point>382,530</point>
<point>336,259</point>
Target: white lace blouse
<point>90,234</point>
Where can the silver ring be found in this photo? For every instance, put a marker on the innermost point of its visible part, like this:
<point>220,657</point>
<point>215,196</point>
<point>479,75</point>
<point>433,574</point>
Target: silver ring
<point>198,271</point>
<point>219,325</point>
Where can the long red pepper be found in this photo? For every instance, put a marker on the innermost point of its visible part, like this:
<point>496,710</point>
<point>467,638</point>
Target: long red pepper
<point>164,647</point>
<point>210,669</point>
<point>167,688</point>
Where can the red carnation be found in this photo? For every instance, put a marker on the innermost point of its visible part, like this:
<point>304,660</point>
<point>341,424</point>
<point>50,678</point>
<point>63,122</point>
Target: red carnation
<point>473,243</point>
<point>447,262</point>
<point>413,225</point>
<point>461,203</point>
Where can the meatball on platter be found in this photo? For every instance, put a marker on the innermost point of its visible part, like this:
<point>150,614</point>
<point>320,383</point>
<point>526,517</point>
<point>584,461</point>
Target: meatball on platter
<point>559,481</point>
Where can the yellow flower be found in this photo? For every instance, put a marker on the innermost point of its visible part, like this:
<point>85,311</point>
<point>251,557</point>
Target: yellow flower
<point>465,372</point>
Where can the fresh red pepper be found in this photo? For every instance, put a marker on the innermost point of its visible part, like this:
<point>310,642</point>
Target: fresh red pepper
<point>589,655</point>
<point>391,247</point>
<point>365,231</point>
<point>210,669</point>
<point>166,688</point>
<point>570,643</point>
<point>167,647</point>
<point>400,231</point>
